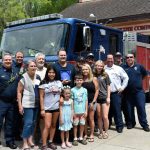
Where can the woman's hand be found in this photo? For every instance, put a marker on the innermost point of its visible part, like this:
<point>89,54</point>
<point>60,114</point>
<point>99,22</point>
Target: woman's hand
<point>43,113</point>
<point>108,101</point>
<point>21,110</point>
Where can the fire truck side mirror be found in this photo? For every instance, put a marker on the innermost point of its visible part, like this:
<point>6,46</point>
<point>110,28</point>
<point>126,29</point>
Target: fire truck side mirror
<point>87,36</point>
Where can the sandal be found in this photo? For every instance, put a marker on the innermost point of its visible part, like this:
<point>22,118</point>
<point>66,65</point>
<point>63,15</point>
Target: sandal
<point>63,146</point>
<point>34,146</point>
<point>105,135</point>
<point>91,139</point>
<point>68,144</point>
<point>44,147</point>
<point>100,136</point>
<point>51,145</point>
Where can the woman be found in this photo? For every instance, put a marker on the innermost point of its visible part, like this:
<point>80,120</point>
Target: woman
<point>50,91</point>
<point>91,84</point>
<point>103,101</point>
<point>28,102</point>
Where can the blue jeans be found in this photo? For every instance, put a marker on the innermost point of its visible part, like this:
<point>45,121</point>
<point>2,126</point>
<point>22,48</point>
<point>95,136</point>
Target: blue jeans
<point>7,113</point>
<point>29,118</point>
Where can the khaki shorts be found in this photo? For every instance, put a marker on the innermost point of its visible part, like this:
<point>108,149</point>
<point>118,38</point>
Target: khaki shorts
<point>79,120</point>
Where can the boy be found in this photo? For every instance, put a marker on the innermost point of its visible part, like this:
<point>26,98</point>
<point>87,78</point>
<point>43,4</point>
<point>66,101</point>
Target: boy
<point>79,96</point>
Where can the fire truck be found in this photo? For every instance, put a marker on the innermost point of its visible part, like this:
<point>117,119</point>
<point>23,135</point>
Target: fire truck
<point>48,33</point>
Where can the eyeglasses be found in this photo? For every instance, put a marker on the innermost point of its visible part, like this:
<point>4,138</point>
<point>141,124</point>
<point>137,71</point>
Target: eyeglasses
<point>129,57</point>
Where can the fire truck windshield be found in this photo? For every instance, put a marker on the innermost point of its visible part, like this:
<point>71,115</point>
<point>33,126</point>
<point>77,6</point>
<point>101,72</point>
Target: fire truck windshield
<point>45,39</point>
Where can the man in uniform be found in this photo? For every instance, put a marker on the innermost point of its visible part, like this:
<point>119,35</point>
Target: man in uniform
<point>134,93</point>
<point>8,94</point>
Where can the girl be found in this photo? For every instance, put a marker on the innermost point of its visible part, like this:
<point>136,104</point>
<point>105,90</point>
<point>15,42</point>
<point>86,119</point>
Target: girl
<point>66,117</point>
<point>91,84</point>
<point>50,90</point>
<point>103,101</point>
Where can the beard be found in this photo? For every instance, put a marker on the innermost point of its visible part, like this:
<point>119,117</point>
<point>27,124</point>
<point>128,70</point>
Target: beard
<point>40,65</point>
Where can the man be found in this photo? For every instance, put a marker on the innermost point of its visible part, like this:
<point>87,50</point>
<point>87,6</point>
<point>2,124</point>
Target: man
<point>118,59</point>
<point>40,61</point>
<point>19,66</point>
<point>134,93</point>
<point>79,63</point>
<point>64,71</point>
<point>41,71</point>
<point>18,63</point>
<point>90,60</point>
<point>8,94</point>
<point>119,81</point>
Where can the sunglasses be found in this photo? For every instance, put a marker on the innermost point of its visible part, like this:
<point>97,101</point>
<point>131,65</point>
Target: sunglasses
<point>129,57</point>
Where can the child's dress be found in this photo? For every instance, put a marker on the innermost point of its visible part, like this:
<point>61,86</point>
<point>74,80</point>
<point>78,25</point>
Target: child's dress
<point>66,115</point>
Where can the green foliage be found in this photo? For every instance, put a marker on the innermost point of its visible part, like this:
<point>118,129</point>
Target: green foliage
<point>11,10</point>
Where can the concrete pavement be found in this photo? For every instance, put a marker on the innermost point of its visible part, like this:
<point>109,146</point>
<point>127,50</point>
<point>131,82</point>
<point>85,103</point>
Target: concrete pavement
<point>133,139</point>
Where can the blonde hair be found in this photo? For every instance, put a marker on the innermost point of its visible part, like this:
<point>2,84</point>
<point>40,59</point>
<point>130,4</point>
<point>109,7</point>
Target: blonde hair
<point>103,73</point>
<point>90,76</point>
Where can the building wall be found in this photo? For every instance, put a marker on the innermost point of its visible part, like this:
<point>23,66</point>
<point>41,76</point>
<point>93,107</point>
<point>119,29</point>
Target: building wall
<point>140,26</point>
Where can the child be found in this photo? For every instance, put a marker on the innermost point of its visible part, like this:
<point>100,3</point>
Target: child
<point>79,95</point>
<point>66,116</point>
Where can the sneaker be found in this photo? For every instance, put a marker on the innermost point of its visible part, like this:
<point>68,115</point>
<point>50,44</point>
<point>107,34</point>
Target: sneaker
<point>75,143</point>
<point>100,136</point>
<point>51,145</point>
<point>84,142</point>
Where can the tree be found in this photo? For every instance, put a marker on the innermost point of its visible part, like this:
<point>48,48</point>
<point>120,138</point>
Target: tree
<point>11,10</point>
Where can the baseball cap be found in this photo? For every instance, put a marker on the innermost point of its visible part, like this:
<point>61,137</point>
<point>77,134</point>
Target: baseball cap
<point>90,55</point>
<point>118,54</point>
<point>80,58</point>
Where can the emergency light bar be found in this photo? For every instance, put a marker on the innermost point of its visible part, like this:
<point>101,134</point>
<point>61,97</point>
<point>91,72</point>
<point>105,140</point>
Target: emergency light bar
<point>35,19</point>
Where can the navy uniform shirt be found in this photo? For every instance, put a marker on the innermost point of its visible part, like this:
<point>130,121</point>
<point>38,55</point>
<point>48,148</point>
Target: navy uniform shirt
<point>136,73</point>
<point>8,84</point>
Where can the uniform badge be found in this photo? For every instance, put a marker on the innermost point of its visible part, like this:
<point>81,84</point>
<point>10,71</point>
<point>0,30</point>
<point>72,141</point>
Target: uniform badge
<point>135,68</point>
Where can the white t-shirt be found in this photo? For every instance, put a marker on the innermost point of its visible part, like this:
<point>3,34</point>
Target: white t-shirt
<point>52,94</point>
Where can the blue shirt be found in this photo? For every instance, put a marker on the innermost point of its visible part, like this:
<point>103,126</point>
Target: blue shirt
<point>136,73</point>
<point>65,73</point>
<point>79,96</point>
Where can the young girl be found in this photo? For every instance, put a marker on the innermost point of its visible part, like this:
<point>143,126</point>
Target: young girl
<point>103,101</point>
<point>50,91</point>
<point>66,117</point>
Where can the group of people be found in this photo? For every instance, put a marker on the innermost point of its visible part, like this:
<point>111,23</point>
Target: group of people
<point>35,98</point>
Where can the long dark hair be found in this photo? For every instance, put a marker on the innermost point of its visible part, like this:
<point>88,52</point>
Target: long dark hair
<point>49,67</point>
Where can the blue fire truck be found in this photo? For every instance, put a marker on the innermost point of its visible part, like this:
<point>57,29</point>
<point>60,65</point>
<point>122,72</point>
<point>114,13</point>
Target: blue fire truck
<point>49,33</point>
